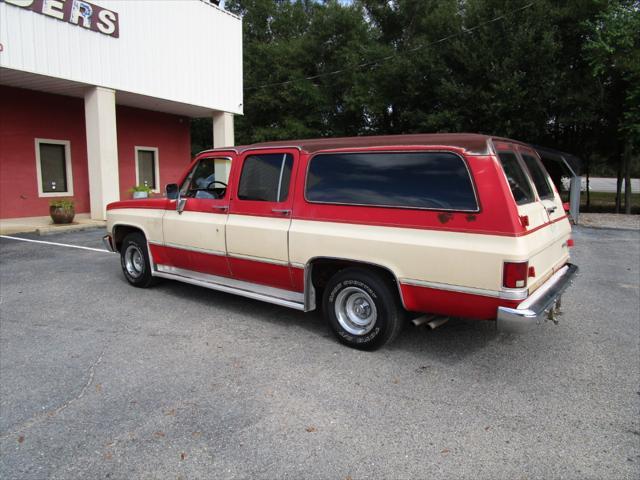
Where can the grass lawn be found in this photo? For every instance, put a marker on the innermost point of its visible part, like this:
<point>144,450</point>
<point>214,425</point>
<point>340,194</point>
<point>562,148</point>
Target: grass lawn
<point>604,202</point>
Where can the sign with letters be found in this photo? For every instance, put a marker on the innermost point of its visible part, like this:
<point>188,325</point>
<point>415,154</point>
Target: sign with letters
<point>77,12</point>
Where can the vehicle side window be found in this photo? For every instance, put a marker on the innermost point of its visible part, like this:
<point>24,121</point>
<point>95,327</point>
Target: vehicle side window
<point>539,177</point>
<point>207,179</point>
<point>266,177</point>
<point>429,180</point>
<point>517,178</point>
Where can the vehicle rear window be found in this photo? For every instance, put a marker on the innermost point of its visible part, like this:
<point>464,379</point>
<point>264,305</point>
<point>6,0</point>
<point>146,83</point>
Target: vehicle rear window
<point>265,178</point>
<point>518,180</point>
<point>431,180</point>
<point>539,177</point>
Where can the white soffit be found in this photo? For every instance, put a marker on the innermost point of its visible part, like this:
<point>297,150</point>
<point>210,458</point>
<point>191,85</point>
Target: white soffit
<point>58,86</point>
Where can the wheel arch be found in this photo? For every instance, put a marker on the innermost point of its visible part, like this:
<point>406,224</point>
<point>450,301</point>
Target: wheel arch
<point>120,230</point>
<point>319,269</point>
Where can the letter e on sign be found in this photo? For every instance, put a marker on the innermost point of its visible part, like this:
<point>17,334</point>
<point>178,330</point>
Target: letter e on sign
<point>20,3</point>
<point>53,8</point>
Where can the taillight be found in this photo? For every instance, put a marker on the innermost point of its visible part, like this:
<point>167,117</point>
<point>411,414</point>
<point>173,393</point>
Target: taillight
<point>570,242</point>
<point>514,275</point>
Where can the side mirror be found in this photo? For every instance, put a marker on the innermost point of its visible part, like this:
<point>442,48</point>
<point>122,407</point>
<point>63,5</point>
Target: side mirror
<point>172,191</point>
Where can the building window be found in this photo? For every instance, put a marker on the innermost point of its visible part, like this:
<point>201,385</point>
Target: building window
<point>53,166</point>
<point>147,168</point>
<point>266,177</point>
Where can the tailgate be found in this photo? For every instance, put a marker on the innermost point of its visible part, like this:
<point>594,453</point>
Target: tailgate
<point>549,251</point>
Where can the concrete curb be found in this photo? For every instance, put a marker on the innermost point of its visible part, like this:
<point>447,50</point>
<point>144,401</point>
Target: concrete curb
<point>67,228</point>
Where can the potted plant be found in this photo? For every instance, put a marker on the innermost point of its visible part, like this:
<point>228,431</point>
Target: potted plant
<point>62,210</point>
<point>141,191</point>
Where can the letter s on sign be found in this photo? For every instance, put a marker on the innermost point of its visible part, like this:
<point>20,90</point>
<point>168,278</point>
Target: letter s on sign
<point>20,3</point>
<point>106,22</point>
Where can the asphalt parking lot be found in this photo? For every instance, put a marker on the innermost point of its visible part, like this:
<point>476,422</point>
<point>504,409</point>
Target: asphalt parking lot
<point>101,380</point>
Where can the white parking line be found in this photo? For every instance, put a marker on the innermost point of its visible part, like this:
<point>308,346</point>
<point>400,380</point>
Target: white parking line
<point>56,244</point>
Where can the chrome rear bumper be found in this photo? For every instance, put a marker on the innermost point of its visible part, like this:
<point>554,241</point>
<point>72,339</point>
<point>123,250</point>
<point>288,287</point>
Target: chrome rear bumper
<point>107,243</point>
<point>535,308</point>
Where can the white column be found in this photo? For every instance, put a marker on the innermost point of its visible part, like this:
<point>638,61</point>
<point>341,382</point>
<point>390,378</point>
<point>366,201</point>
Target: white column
<point>223,135</point>
<point>102,149</point>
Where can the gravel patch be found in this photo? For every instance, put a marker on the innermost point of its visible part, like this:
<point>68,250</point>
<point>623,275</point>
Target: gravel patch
<point>610,220</point>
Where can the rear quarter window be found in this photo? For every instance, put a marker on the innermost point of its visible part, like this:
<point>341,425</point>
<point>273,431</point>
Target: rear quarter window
<point>517,178</point>
<point>539,176</point>
<point>424,180</point>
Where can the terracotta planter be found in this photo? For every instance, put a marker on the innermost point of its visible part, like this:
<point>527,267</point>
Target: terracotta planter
<point>62,215</point>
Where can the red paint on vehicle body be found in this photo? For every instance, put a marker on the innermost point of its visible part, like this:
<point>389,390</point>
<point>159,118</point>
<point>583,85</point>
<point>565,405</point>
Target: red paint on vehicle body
<point>263,273</point>
<point>152,203</point>
<point>202,262</point>
<point>495,217</point>
<point>456,304</point>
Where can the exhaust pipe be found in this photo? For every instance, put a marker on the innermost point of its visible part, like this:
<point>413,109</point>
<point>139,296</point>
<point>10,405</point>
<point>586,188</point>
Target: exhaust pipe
<point>433,324</point>
<point>432,321</point>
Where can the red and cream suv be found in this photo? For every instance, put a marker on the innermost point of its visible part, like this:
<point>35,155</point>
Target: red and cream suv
<point>366,228</point>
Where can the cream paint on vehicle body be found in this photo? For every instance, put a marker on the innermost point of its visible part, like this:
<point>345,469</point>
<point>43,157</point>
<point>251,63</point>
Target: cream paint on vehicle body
<point>258,238</point>
<point>146,219</point>
<point>451,258</point>
<point>457,259</point>
<point>195,230</point>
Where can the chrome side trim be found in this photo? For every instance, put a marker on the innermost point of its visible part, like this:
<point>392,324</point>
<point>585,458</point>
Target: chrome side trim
<point>513,294</point>
<point>272,261</point>
<point>192,249</point>
<point>278,296</point>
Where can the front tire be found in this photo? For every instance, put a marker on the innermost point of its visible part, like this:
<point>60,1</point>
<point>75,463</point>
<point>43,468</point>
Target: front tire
<point>362,309</point>
<point>134,258</point>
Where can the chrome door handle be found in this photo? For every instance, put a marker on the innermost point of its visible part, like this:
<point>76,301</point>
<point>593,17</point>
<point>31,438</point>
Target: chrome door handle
<point>283,211</point>
<point>222,208</point>
<point>551,209</point>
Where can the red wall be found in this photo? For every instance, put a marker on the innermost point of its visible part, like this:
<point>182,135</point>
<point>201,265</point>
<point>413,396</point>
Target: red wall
<point>26,115</point>
<point>170,134</point>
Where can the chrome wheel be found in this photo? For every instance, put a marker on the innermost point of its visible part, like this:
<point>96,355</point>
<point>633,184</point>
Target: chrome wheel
<point>134,261</point>
<point>355,310</point>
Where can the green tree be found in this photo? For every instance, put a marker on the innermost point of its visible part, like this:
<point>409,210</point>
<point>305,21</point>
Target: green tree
<point>560,74</point>
<point>613,50</point>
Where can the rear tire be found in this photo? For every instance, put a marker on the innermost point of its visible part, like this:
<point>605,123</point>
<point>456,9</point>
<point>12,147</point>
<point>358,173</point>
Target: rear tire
<point>134,258</point>
<point>362,309</point>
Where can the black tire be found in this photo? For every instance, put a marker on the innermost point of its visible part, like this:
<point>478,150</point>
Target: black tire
<point>366,327</point>
<point>134,259</point>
